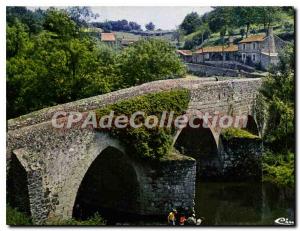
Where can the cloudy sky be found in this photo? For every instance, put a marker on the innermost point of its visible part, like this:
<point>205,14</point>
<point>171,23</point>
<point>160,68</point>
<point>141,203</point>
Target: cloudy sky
<point>163,17</point>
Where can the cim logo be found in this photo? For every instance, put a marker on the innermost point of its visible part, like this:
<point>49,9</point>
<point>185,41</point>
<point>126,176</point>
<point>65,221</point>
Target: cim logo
<point>283,221</point>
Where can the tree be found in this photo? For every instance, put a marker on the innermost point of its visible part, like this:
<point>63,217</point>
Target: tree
<point>32,19</point>
<point>119,25</point>
<point>191,22</point>
<point>81,15</point>
<point>269,15</point>
<point>220,18</point>
<point>245,16</point>
<point>58,21</point>
<point>134,26</point>
<point>279,93</point>
<point>149,60</point>
<point>150,26</point>
<point>55,65</point>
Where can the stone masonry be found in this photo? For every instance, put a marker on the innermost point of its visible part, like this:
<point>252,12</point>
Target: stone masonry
<point>56,160</point>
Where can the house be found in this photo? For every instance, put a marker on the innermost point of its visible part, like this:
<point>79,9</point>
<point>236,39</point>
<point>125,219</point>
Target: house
<point>185,55</point>
<point>215,53</point>
<point>108,38</point>
<point>127,42</point>
<point>260,50</point>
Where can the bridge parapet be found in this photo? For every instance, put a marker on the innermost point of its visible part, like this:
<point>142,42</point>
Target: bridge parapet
<point>207,85</point>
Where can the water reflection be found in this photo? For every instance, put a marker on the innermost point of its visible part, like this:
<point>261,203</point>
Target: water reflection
<point>242,203</point>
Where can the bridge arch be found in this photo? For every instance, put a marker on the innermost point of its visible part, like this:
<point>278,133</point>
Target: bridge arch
<point>251,125</point>
<point>17,186</point>
<point>109,185</point>
<point>101,152</point>
<point>200,143</point>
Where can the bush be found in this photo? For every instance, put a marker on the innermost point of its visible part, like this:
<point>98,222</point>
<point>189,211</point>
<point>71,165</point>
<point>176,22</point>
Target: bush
<point>94,220</point>
<point>146,143</point>
<point>279,169</point>
<point>14,217</point>
<point>149,60</point>
<point>229,133</point>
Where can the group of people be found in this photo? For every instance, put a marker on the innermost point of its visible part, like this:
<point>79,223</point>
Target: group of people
<point>184,216</point>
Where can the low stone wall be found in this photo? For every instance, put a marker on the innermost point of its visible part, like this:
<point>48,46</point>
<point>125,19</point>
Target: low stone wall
<point>251,75</point>
<point>205,70</point>
<point>231,65</point>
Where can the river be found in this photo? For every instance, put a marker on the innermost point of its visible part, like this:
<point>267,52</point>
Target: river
<point>229,203</point>
<point>243,203</point>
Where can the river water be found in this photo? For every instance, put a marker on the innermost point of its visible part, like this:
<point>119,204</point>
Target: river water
<point>243,203</point>
<point>225,203</point>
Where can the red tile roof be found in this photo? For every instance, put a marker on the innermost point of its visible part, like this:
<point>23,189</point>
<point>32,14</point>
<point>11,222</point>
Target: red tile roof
<point>254,38</point>
<point>108,37</point>
<point>230,48</point>
<point>184,52</point>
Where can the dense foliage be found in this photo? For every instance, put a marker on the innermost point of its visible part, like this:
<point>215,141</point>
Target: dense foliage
<point>148,143</point>
<point>15,217</point>
<point>118,25</point>
<point>278,96</point>
<point>191,23</point>
<point>95,220</point>
<point>55,62</point>
<point>150,26</point>
<point>149,60</point>
<point>279,169</point>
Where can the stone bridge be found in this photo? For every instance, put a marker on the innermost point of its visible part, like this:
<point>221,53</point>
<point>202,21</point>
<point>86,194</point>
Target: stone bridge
<point>60,173</point>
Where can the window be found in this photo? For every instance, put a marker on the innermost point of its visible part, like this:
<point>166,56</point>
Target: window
<point>244,46</point>
<point>253,57</point>
<point>243,56</point>
<point>254,46</point>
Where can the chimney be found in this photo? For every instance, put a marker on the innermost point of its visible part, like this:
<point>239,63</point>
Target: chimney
<point>270,31</point>
<point>271,41</point>
<point>230,40</point>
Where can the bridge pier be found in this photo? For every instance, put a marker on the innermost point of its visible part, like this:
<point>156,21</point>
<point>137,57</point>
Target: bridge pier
<point>168,184</point>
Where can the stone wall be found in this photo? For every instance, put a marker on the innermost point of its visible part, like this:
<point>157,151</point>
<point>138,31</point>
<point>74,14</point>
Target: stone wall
<point>205,70</point>
<point>241,158</point>
<point>169,184</point>
<point>231,65</point>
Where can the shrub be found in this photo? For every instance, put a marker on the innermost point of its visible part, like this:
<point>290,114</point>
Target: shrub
<point>15,217</point>
<point>229,133</point>
<point>148,143</point>
<point>94,220</point>
<point>149,60</point>
<point>279,169</point>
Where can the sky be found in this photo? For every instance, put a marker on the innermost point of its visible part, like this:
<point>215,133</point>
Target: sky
<point>164,17</point>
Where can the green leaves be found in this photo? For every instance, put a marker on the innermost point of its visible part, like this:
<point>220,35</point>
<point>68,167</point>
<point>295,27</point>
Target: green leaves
<point>61,64</point>
<point>149,60</point>
<point>279,169</point>
<point>278,91</point>
<point>278,96</point>
<point>148,143</point>
<point>191,23</point>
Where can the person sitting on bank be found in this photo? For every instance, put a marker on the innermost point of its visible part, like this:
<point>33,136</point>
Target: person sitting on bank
<point>171,217</point>
<point>182,219</point>
<point>191,220</point>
